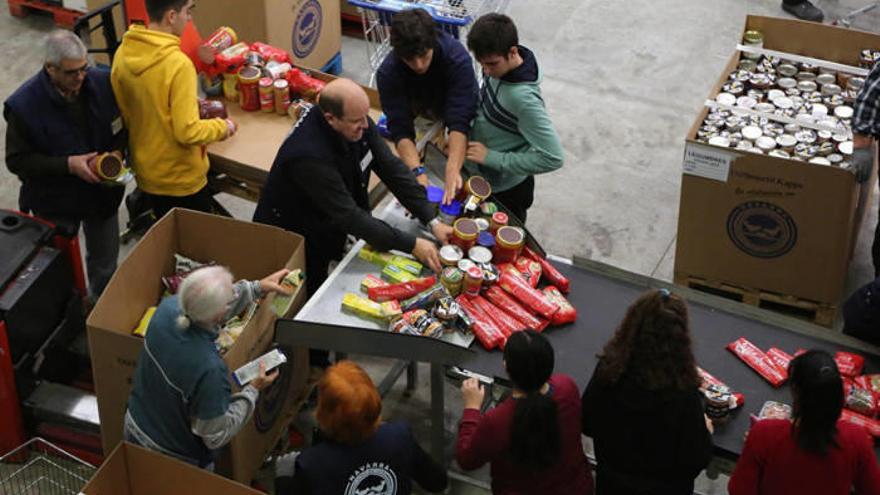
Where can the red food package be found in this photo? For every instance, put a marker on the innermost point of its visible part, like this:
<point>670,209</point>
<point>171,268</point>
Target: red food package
<point>402,290</point>
<point>708,379</point>
<point>483,328</point>
<point>870,382</point>
<point>871,425</point>
<point>849,364</point>
<point>530,269</point>
<point>550,272</point>
<point>269,52</point>
<point>508,324</point>
<point>303,85</point>
<point>779,357</point>
<point>527,295</point>
<point>500,298</point>
<point>232,58</point>
<point>859,399</point>
<point>566,313</point>
<point>758,361</point>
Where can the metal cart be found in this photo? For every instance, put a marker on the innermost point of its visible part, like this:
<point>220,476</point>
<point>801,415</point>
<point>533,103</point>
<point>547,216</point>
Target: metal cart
<point>453,16</point>
<point>40,468</point>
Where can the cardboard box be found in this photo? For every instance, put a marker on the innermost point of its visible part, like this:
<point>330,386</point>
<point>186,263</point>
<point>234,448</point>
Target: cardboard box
<point>77,5</point>
<point>251,251</point>
<point>772,224</point>
<point>133,470</point>
<point>310,30</point>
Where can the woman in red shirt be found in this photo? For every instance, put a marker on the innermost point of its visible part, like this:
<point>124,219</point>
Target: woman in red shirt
<point>532,439</point>
<point>815,453</point>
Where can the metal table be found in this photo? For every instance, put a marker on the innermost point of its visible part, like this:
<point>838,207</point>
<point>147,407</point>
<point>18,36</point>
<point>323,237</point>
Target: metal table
<point>601,295</point>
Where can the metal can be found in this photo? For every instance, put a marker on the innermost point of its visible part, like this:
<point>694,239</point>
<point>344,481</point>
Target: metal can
<point>108,166</point>
<point>787,70</point>
<point>452,278</point>
<point>221,39</point>
<point>717,403</point>
<point>843,112</point>
<point>490,274</point>
<point>282,96</point>
<point>476,189</point>
<point>482,224</point>
<point>787,142</point>
<point>473,281</point>
<point>499,219</point>
<point>267,99</point>
<point>450,255</point>
<point>480,255</point>
<point>230,87</point>
<point>248,87</point>
<point>509,241</point>
<point>465,264</point>
<point>826,78</point>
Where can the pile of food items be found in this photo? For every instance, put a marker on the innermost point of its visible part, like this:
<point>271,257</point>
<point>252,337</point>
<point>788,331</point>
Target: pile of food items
<point>490,285</point>
<point>786,109</point>
<point>257,76</point>
<point>232,329</point>
<point>861,392</point>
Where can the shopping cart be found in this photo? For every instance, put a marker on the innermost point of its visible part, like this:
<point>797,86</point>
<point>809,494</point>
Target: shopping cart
<point>453,16</point>
<point>40,468</point>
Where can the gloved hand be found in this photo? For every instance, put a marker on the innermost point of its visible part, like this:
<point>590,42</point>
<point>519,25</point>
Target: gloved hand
<point>862,162</point>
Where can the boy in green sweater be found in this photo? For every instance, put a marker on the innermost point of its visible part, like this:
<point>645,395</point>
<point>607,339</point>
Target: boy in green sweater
<point>512,137</point>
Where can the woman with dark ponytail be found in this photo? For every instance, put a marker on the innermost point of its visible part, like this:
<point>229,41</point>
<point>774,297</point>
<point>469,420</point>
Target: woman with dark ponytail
<point>643,406</point>
<point>532,439</point>
<point>814,453</point>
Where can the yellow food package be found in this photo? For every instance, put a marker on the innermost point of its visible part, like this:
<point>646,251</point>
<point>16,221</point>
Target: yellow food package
<point>407,264</point>
<point>362,306</point>
<point>141,329</point>
<point>396,274</point>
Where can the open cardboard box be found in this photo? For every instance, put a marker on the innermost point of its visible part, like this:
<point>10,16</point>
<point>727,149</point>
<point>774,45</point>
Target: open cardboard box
<point>251,251</point>
<point>809,214</point>
<point>133,470</point>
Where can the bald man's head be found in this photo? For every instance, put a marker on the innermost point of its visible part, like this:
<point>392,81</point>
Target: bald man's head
<point>345,105</point>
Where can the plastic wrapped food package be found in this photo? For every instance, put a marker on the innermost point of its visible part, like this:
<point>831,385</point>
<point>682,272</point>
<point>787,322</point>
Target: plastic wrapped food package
<point>756,359</point>
<point>567,313</point>
<point>527,295</point>
<point>402,290</point>
<point>499,298</point>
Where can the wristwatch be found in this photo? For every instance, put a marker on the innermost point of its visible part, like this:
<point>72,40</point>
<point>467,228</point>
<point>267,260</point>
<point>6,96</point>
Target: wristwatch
<point>418,170</point>
<point>434,222</point>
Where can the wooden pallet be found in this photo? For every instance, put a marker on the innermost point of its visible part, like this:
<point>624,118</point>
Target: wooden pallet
<point>819,313</point>
<point>65,18</point>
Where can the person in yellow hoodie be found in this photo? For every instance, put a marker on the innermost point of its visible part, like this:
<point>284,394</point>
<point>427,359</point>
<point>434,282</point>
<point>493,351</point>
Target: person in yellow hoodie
<point>155,85</point>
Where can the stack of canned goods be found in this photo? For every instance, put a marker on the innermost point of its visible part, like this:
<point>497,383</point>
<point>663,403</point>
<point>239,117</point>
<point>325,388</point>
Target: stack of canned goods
<point>785,109</point>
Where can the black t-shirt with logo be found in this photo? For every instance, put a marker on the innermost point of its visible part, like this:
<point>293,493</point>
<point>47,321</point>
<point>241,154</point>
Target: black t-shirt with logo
<point>386,464</point>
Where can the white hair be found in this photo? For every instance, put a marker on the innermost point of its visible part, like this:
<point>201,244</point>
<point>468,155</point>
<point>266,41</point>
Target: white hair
<point>203,296</point>
<point>64,45</point>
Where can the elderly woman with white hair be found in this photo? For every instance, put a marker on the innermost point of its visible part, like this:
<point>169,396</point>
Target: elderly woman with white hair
<point>181,403</point>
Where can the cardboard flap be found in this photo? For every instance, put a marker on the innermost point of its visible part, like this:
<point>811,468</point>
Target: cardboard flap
<point>813,39</point>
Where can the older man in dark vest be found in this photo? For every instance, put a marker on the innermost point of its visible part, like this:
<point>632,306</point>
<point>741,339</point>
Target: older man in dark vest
<point>58,121</point>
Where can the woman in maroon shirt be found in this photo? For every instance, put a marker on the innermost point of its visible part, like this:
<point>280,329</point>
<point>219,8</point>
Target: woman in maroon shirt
<point>532,439</point>
<point>815,453</point>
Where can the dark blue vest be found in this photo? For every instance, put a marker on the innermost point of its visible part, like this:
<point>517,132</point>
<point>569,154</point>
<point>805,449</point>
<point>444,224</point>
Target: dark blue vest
<point>52,131</point>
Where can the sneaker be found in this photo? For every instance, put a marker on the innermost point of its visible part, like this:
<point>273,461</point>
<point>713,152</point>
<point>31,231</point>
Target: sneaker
<point>804,11</point>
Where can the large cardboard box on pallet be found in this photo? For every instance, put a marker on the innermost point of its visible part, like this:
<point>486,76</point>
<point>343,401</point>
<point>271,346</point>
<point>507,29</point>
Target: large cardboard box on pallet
<point>251,251</point>
<point>767,225</point>
<point>133,470</point>
<point>309,29</point>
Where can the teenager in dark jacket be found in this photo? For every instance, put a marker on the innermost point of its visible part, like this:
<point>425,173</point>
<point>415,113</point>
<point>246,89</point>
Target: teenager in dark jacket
<point>361,454</point>
<point>57,122</point>
<point>429,74</point>
<point>643,407</point>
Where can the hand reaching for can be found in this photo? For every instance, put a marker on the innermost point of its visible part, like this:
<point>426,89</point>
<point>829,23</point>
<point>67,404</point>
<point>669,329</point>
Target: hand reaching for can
<point>472,393</point>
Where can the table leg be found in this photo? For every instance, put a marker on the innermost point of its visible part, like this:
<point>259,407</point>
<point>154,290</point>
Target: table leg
<point>438,427</point>
<point>412,378</point>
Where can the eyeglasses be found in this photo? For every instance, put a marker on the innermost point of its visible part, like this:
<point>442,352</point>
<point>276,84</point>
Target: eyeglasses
<point>76,72</point>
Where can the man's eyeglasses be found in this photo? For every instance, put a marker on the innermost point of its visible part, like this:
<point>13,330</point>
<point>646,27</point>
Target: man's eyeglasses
<point>76,72</point>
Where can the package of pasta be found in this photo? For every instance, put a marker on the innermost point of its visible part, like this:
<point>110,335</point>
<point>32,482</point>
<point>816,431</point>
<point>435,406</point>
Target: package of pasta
<point>530,269</point>
<point>506,323</point>
<point>870,382</point>
<point>499,298</point>
<point>757,360</point>
<point>859,399</point>
<point>550,272</point>
<point>372,281</point>
<point>483,328</point>
<point>849,364</point>
<point>400,291</point>
<point>361,306</point>
<point>707,379</point>
<point>397,275</point>
<point>567,313</point>
<point>871,425</point>
<point>528,295</point>
<point>779,357</point>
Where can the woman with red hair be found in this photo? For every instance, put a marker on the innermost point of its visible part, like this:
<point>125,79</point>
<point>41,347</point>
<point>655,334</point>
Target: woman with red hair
<point>361,454</point>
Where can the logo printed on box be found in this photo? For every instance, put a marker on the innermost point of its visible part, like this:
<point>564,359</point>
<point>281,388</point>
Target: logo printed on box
<point>761,229</point>
<point>306,29</point>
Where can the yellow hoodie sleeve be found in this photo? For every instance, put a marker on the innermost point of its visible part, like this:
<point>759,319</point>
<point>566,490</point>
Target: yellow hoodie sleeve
<point>186,125</point>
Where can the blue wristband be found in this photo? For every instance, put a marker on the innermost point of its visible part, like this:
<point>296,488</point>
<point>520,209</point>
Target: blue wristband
<point>418,170</point>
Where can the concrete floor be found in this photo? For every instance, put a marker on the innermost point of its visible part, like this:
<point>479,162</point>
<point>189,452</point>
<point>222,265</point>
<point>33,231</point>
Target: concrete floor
<point>623,82</point>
